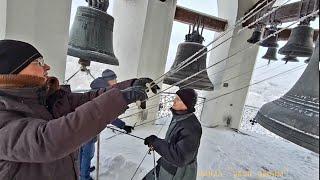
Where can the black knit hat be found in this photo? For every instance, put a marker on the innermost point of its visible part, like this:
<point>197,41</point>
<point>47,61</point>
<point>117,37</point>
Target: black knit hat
<point>102,82</point>
<point>16,55</point>
<point>188,97</point>
<point>109,75</point>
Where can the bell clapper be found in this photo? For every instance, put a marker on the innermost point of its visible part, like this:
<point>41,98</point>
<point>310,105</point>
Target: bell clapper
<point>83,68</point>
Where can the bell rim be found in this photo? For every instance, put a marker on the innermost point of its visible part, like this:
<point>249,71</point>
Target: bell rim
<point>307,141</point>
<point>300,52</point>
<point>290,59</point>
<point>268,45</point>
<point>252,41</point>
<point>295,107</point>
<point>93,56</point>
<point>270,59</point>
<point>288,103</point>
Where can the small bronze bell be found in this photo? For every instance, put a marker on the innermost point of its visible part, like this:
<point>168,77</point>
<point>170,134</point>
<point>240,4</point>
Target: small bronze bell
<point>256,35</point>
<point>91,36</point>
<point>295,116</point>
<point>290,59</point>
<point>271,41</point>
<point>300,43</point>
<point>185,50</point>
<point>271,54</point>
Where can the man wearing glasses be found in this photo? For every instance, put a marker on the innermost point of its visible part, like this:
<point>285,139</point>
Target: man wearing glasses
<point>41,125</point>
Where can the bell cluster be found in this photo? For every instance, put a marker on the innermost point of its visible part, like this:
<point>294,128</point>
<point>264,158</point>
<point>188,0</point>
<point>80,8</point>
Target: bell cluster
<point>300,43</point>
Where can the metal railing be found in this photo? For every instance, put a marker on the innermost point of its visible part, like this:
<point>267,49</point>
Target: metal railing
<point>249,112</point>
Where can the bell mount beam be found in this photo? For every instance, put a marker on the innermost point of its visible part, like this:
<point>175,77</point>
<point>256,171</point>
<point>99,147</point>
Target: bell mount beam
<point>188,16</point>
<point>285,34</point>
<point>287,13</point>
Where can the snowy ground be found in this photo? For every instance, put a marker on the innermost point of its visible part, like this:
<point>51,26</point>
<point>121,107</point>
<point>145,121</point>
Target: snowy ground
<point>223,154</point>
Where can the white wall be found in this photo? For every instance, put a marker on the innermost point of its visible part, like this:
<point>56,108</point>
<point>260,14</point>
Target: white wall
<point>217,111</point>
<point>43,23</point>
<point>141,38</point>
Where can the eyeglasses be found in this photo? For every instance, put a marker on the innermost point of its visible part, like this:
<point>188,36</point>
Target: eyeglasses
<point>40,62</point>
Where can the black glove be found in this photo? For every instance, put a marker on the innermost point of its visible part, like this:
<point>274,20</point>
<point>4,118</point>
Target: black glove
<point>128,129</point>
<point>143,82</point>
<point>150,140</point>
<point>99,4</point>
<point>133,94</point>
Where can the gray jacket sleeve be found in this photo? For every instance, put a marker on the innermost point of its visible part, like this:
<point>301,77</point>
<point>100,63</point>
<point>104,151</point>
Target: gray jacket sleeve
<point>27,139</point>
<point>180,153</point>
<point>77,99</point>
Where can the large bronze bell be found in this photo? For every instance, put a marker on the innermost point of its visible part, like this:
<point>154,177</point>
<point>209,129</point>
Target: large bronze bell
<point>295,116</point>
<point>300,43</point>
<point>91,36</point>
<point>271,54</point>
<point>289,58</point>
<point>256,35</point>
<point>271,41</point>
<point>185,50</point>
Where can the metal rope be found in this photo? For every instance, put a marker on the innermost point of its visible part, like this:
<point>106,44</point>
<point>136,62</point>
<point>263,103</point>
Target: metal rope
<point>235,90</point>
<point>245,18</point>
<point>145,156</point>
<point>237,52</point>
<point>156,105</point>
<point>234,54</point>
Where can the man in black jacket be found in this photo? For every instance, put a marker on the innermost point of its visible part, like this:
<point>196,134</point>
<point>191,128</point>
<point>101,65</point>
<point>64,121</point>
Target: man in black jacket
<point>179,149</point>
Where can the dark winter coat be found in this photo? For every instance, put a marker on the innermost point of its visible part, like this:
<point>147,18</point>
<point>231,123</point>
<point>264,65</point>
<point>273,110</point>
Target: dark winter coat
<point>36,142</point>
<point>179,149</point>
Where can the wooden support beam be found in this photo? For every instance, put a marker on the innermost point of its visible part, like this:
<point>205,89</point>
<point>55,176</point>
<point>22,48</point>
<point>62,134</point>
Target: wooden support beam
<point>188,16</point>
<point>284,35</point>
<point>288,13</point>
<point>261,5</point>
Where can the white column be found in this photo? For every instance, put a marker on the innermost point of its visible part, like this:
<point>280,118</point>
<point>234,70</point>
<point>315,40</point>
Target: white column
<point>230,107</point>
<point>3,18</point>
<point>141,38</point>
<point>43,23</point>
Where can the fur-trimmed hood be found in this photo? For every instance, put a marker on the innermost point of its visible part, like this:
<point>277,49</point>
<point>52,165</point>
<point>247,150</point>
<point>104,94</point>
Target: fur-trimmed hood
<point>18,82</point>
<point>15,89</point>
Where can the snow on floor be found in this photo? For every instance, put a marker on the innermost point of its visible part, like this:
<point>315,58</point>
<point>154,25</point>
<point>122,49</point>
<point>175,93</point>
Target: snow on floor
<point>223,154</point>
